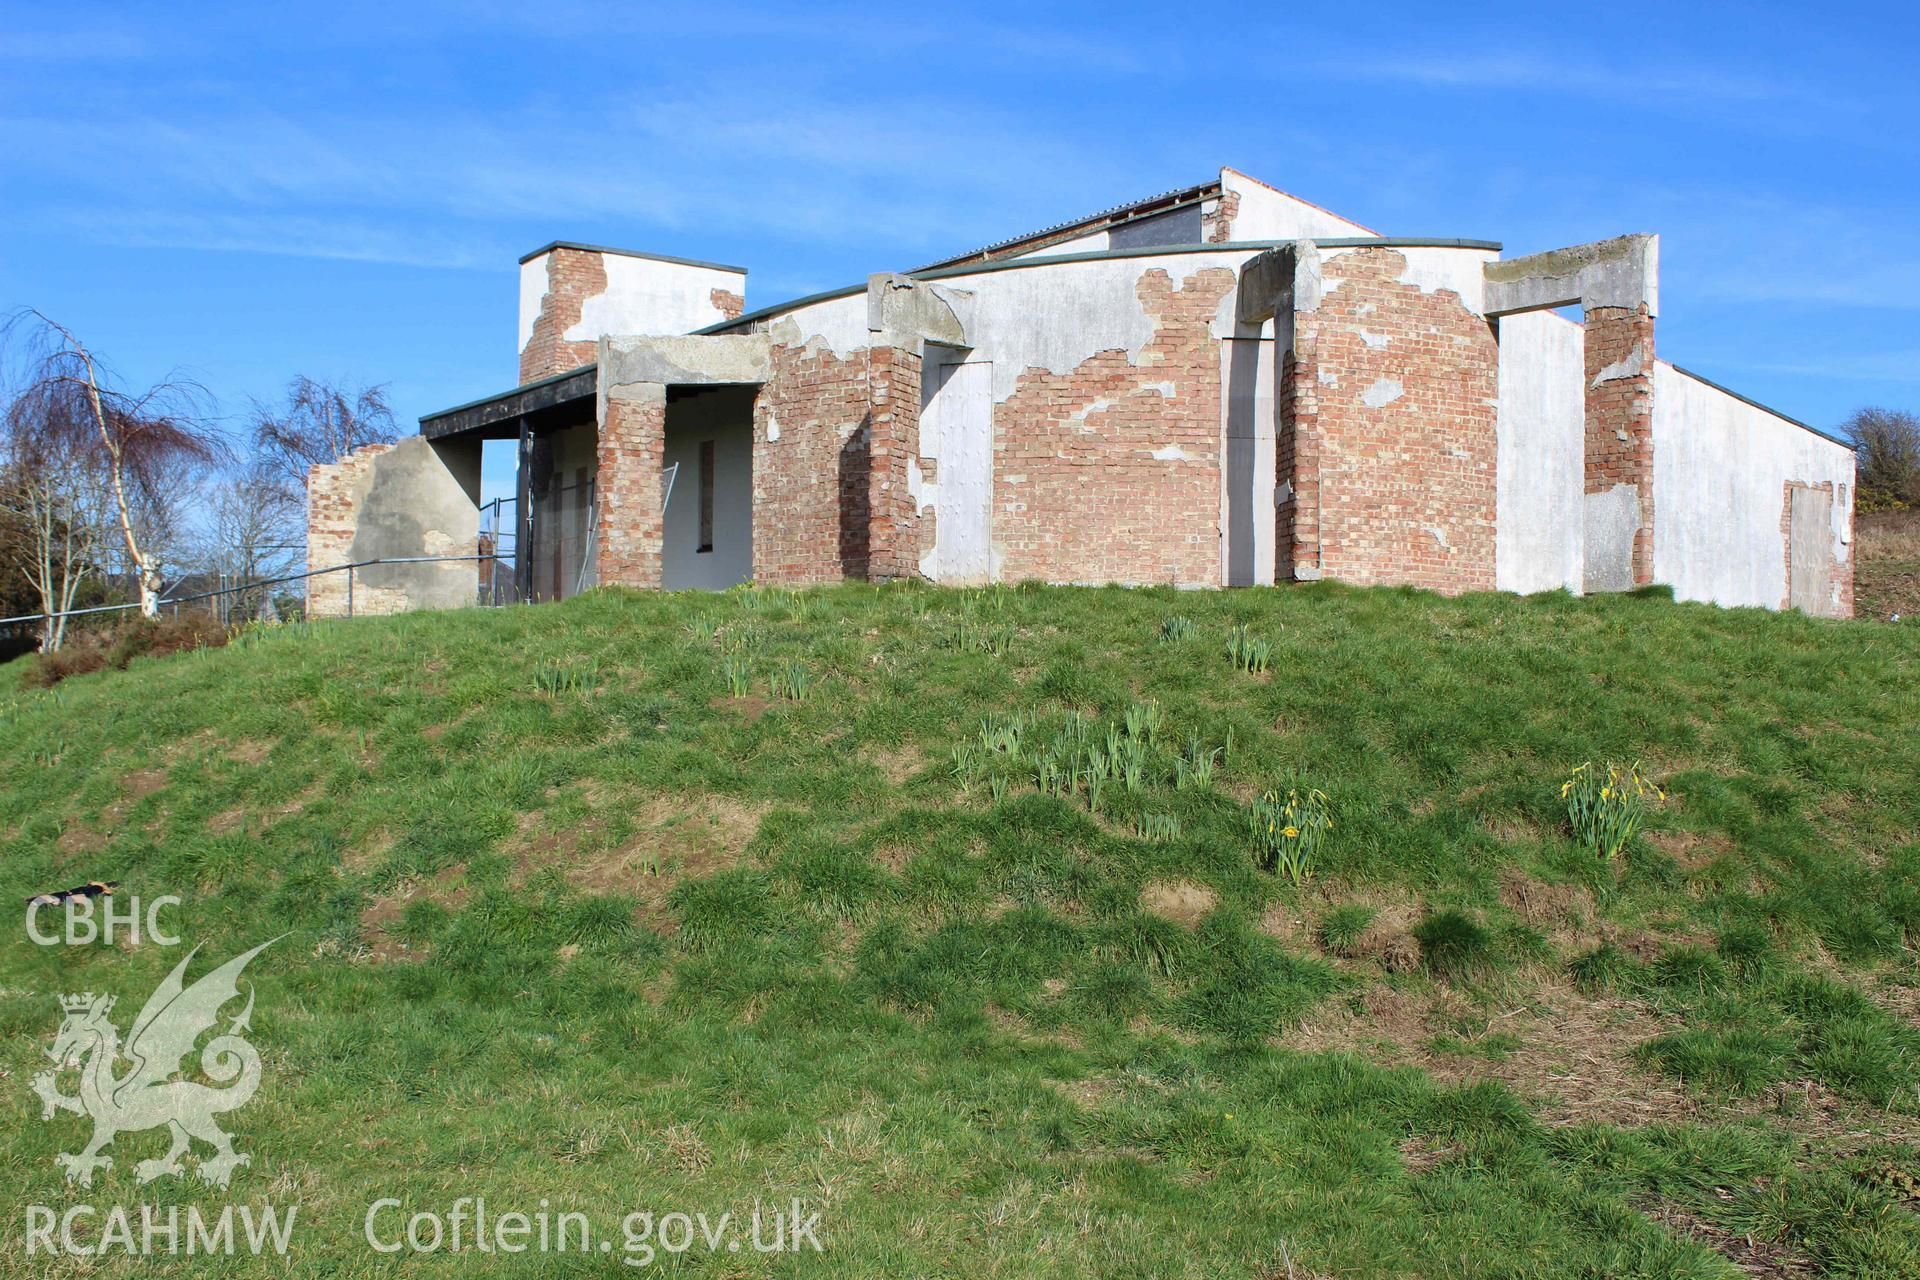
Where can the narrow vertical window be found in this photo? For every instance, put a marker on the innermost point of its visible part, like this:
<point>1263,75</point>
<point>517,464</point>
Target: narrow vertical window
<point>706,495</point>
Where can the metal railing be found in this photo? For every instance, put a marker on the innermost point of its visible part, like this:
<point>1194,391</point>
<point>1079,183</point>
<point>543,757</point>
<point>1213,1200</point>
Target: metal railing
<point>174,602</point>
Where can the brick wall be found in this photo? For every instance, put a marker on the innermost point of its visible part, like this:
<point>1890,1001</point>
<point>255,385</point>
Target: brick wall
<point>334,491</point>
<point>631,448</point>
<point>727,303</point>
<point>1217,223</point>
<point>893,438</point>
<point>573,276</point>
<point>810,472</point>
<point>1387,436</point>
<point>1619,415</point>
<point>1111,472</point>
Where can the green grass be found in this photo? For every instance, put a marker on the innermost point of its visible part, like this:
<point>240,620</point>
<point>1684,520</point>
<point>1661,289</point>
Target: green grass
<point>683,901</point>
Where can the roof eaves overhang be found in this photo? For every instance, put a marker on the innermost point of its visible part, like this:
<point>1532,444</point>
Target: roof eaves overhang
<point>482,415</point>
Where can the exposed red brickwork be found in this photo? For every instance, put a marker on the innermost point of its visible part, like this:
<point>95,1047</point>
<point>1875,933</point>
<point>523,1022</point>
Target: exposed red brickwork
<point>1619,415</point>
<point>1078,495</point>
<point>1218,224</point>
<point>893,438</point>
<point>1388,427</point>
<point>334,491</point>
<point>727,303</point>
<point>1840,578</point>
<point>811,484</point>
<point>629,488</point>
<point>1297,464</point>
<point>573,276</point>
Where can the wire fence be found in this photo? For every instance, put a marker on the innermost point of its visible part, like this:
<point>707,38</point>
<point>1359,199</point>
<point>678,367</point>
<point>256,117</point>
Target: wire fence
<point>488,590</point>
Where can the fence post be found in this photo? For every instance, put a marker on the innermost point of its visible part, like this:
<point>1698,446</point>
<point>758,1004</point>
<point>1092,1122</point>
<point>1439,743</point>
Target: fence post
<point>349,591</point>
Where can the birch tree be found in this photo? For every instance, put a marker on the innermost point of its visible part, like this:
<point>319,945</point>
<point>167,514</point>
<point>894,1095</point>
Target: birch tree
<point>143,444</point>
<point>56,493</point>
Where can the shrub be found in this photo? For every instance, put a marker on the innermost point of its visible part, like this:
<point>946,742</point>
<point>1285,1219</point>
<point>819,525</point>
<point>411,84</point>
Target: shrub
<point>120,644</point>
<point>1288,831</point>
<point>1606,812</point>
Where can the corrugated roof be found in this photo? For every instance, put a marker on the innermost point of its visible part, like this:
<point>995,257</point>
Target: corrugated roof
<point>1106,217</point>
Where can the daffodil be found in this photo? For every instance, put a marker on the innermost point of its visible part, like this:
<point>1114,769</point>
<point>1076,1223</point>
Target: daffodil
<point>1291,832</point>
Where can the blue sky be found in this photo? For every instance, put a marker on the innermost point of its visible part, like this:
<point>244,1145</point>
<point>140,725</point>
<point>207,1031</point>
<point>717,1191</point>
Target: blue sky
<point>250,192</point>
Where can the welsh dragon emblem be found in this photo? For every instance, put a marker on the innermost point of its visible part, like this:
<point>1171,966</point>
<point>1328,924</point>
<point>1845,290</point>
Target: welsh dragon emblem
<point>146,1096</point>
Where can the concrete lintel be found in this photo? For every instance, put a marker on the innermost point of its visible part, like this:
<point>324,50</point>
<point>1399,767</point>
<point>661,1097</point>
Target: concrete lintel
<point>681,360</point>
<point>915,311</point>
<point>1621,272</point>
<point>1279,282</point>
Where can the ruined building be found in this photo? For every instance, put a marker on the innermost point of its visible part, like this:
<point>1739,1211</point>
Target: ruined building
<point>1219,386</point>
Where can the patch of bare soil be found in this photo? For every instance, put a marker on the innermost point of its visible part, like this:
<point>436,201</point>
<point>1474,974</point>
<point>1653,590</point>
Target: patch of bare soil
<point>898,763</point>
<point>677,838</point>
<point>249,751</point>
<point>1574,1057</point>
<point>750,707</point>
<point>1691,849</point>
<point>1285,923</point>
<point>78,842</point>
<point>894,857</point>
<point>380,920</point>
<point>221,824</point>
<point>1419,1156</point>
<point>1543,905</point>
<point>134,787</point>
<point>1181,901</point>
<point>1767,1259</point>
<point>367,852</point>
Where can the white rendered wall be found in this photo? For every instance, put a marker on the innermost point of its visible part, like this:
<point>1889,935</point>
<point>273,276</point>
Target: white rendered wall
<point>1720,470</point>
<point>644,296</point>
<point>726,418</point>
<point>1541,436</point>
<point>1248,423</point>
<point>1269,214</point>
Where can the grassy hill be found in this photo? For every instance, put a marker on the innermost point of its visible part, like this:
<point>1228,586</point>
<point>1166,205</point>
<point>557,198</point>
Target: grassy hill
<point>650,902</point>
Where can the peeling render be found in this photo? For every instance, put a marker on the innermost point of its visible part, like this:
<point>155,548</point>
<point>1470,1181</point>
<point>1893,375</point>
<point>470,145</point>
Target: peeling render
<point>1258,408</point>
<point>1384,391</point>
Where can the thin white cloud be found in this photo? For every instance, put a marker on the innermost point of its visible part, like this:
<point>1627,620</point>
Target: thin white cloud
<point>1534,72</point>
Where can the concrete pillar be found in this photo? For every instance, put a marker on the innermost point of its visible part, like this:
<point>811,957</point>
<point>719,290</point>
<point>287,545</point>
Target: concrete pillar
<point>1616,283</point>
<point>1619,456</point>
<point>629,491</point>
<point>1285,286</point>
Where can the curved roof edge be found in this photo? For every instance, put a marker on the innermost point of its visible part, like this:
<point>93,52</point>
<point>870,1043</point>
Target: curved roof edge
<point>1100,255</point>
<point>551,245</point>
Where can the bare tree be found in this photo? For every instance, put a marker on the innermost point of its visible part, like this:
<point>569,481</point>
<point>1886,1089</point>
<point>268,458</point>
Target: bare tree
<point>1889,441</point>
<point>55,496</point>
<point>143,443</point>
<point>318,422</point>
<point>252,531</point>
